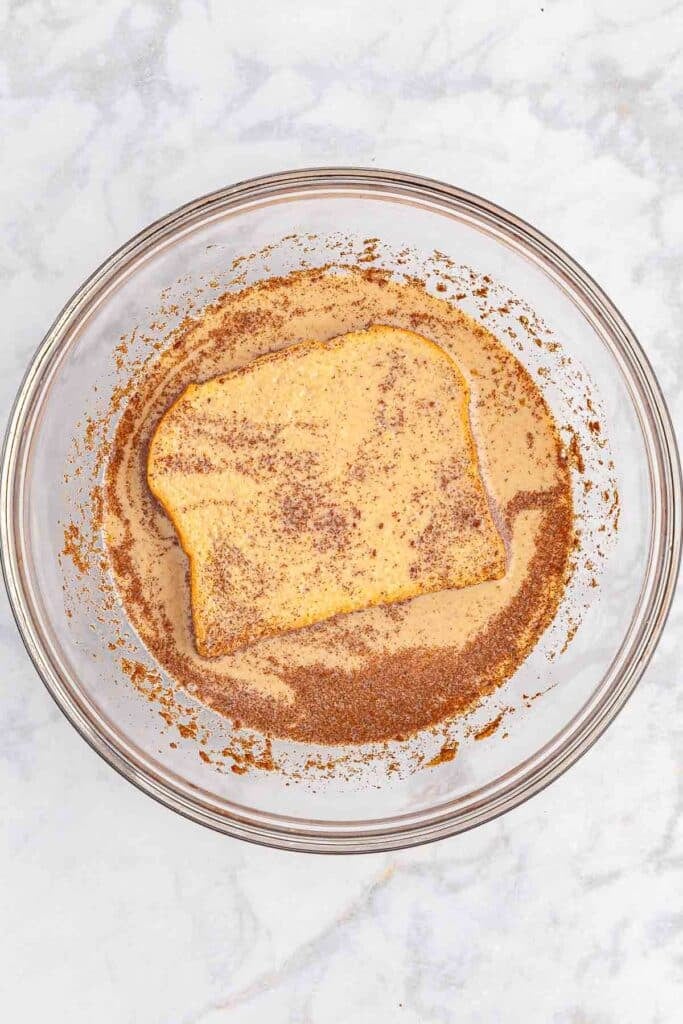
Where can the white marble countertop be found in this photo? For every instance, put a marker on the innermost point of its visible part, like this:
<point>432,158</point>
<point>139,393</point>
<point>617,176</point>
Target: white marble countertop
<point>567,910</point>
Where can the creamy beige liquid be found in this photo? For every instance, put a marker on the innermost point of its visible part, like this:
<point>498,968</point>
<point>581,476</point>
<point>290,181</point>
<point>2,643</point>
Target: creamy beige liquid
<point>385,671</point>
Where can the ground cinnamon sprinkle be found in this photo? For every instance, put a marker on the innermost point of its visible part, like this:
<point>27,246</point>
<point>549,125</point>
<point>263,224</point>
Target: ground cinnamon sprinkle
<point>489,729</point>
<point>74,547</point>
<point>388,672</point>
<point>575,457</point>
<point>447,753</point>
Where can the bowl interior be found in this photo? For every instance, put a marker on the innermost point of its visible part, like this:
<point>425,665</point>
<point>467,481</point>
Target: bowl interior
<point>363,808</point>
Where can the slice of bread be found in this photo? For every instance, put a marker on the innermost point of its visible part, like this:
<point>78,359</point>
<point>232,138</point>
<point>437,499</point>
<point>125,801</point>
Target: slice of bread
<point>324,478</point>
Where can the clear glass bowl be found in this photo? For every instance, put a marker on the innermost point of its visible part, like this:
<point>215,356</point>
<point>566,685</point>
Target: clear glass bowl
<point>594,675</point>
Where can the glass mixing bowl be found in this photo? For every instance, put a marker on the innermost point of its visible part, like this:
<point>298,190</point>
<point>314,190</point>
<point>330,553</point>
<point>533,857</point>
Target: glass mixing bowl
<point>587,683</point>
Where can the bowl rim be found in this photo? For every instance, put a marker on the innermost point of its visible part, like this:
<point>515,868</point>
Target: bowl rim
<point>607,700</point>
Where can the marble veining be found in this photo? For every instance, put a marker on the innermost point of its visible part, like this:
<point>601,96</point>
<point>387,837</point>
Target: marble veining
<point>568,909</point>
